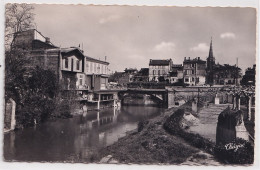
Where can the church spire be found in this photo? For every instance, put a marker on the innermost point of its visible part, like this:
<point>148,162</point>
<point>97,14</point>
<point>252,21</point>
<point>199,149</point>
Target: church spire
<point>210,65</point>
<point>211,50</point>
<point>210,59</point>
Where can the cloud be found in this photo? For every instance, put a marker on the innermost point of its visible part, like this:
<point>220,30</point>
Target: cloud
<point>228,35</point>
<point>165,46</point>
<point>110,18</point>
<point>201,47</point>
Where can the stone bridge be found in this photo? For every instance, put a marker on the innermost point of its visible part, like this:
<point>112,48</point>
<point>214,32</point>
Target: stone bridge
<point>174,96</point>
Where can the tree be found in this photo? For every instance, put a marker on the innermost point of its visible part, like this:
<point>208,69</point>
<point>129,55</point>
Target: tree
<point>161,79</point>
<point>39,101</point>
<point>43,83</point>
<point>15,83</point>
<point>18,17</point>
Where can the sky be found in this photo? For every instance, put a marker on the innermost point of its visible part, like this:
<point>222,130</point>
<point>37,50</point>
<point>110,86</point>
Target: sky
<point>130,35</point>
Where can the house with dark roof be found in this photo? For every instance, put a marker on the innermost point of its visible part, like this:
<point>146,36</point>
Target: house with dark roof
<point>194,71</point>
<point>159,69</point>
<point>176,74</point>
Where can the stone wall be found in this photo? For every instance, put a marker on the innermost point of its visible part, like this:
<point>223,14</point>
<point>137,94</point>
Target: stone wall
<point>9,119</point>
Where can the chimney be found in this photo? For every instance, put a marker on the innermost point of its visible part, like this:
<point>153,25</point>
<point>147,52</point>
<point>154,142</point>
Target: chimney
<point>47,40</point>
<point>189,58</point>
<point>198,58</point>
<point>184,58</point>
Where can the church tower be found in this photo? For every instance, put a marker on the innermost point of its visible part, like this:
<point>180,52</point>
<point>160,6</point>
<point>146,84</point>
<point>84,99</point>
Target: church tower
<point>210,59</point>
<point>210,65</point>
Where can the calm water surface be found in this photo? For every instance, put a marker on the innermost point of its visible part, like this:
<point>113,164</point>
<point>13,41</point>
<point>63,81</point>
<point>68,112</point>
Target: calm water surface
<point>75,139</point>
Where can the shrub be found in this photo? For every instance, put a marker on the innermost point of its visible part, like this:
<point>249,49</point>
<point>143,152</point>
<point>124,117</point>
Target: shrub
<point>35,109</point>
<point>37,103</point>
<point>63,109</point>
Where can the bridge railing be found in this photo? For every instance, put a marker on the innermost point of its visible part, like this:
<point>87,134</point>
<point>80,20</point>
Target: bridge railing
<point>148,85</point>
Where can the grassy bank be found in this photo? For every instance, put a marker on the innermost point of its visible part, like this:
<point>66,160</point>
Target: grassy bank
<point>235,151</point>
<point>150,144</point>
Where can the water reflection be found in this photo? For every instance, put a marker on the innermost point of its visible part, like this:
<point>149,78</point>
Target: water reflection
<point>76,139</point>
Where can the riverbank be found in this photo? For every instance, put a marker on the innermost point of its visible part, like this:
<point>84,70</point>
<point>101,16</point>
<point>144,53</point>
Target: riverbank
<point>152,144</point>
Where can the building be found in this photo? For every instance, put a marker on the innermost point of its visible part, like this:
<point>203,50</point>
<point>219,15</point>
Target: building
<point>194,71</point>
<point>97,73</point>
<point>31,40</point>
<point>123,78</point>
<point>131,71</point>
<point>249,77</point>
<point>226,74</point>
<point>176,75</point>
<point>81,77</point>
<point>159,69</point>
<point>142,75</point>
<point>217,74</point>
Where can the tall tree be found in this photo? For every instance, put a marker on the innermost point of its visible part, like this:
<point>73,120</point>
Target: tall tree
<point>18,17</point>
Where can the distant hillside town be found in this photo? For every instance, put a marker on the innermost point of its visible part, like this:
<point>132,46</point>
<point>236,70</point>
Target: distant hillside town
<point>192,72</point>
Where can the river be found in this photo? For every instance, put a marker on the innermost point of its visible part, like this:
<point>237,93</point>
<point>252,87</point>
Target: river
<point>77,139</point>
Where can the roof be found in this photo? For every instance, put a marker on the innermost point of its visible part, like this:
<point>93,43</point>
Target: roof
<point>195,60</point>
<point>96,60</point>
<point>177,66</point>
<point>70,50</point>
<point>76,49</point>
<point>159,62</point>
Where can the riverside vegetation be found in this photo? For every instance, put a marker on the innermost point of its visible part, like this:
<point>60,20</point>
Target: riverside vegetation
<point>35,91</point>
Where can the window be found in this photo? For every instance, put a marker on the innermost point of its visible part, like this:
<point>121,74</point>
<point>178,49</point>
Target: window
<point>154,72</point>
<point>66,62</point>
<point>186,79</point>
<point>87,67</point>
<point>91,67</point>
<point>192,72</point>
<point>78,64</point>
<point>192,79</point>
<point>159,72</point>
<point>98,68</point>
<point>80,79</point>
<point>72,62</point>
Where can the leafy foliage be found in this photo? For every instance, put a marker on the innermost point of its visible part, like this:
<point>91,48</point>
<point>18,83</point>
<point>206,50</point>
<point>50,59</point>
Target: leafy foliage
<point>43,83</point>
<point>15,82</point>
<point>39,101</point>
